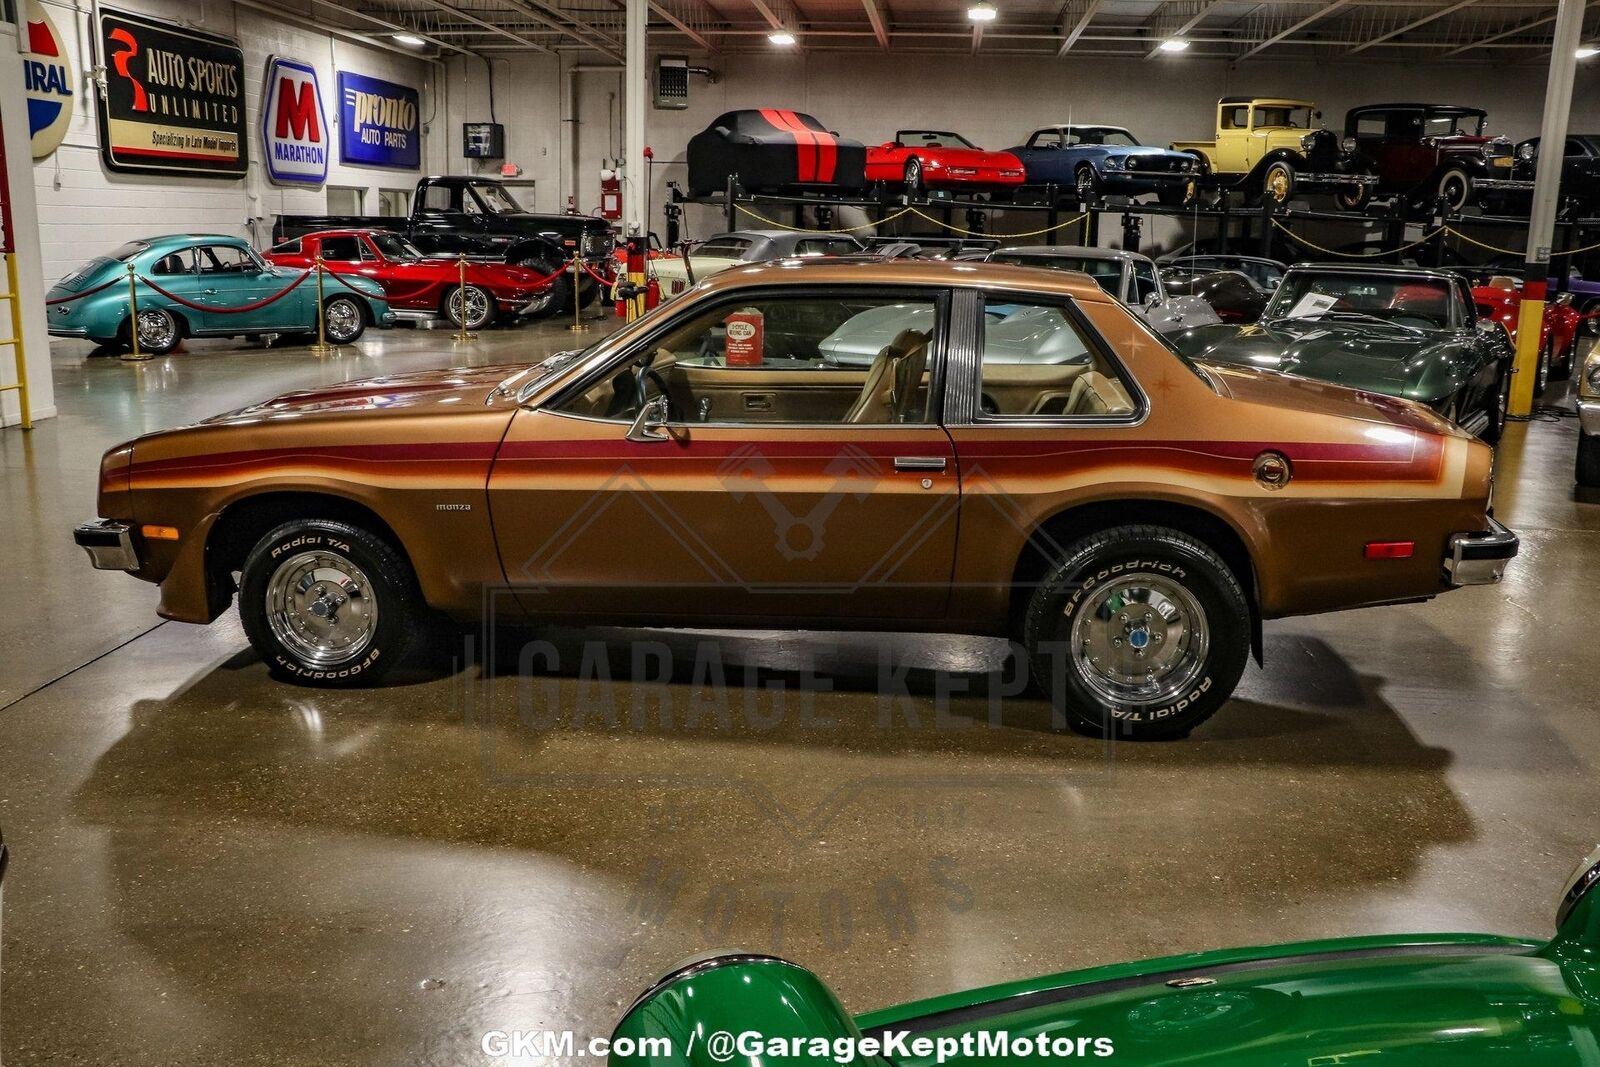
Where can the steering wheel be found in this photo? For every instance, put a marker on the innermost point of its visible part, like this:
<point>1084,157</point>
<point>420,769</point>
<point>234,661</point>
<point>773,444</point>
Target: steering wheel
<point>641,382</point>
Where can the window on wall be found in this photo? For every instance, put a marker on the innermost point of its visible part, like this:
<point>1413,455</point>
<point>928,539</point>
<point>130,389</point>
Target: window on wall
<point>345,199</point>
<point>394,201</point>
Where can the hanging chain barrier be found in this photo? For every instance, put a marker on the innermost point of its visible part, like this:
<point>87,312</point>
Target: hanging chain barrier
<point>1424,239</point>
<point>909,210</point>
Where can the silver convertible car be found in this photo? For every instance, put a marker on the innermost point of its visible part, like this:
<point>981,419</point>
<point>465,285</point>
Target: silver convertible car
<point>1128,276</point>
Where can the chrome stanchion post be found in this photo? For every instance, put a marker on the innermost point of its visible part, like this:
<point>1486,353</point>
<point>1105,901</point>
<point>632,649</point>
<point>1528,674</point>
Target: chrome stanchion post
<point>322,347</point>
<point>133,355</point>
<point>578,325</point>
<point>461,333</point>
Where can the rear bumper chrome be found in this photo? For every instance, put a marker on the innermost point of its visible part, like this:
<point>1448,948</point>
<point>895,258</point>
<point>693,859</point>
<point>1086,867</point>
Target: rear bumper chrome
<point>1480,558</point>
<point>109,544</point>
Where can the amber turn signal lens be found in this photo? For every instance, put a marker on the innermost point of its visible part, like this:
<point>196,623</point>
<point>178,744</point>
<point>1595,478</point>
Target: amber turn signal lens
<point>1389,549</point>
<point>159,533</point>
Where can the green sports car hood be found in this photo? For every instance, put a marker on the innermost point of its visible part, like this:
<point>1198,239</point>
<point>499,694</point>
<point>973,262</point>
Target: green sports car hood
<point>1377,358</point>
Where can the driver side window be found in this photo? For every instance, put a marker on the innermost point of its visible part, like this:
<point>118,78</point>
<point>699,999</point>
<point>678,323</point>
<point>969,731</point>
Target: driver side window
<point>843,358</point>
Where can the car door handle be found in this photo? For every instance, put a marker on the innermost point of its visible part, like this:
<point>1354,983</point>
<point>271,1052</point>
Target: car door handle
<point>919,463</point>
<point>758,401</point>
<point>209,292</point>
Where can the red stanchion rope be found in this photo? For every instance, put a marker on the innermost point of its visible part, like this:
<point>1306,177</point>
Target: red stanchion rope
<point>256,305</point>
<point>607,282</point>
<point>389,296</point>
<point>87,292</point>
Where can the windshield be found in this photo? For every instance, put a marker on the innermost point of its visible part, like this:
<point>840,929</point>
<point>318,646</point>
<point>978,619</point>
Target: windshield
<point>1453,126</point>
<point>1107,135</point>
<point>931,139</point>
<point>393,247</point>
<point>1107,272</point>
<point>1418,302</point>
<point>1297,118</point>
<point>496,200</point>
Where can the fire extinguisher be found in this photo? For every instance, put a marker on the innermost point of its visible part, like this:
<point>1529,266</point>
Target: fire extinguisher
<point>652,293</point>
<point>610,194</point>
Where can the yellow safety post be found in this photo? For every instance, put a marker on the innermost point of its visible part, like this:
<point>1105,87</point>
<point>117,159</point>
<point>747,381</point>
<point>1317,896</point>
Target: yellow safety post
<point>461,333</point>
<point>578,325</point>
<point>133,355</point>
<point>322,347</point>
<point>1525,368</point>
<point>15,341</point>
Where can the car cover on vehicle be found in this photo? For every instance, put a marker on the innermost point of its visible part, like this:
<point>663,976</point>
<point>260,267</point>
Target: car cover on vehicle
<point>770,149</point>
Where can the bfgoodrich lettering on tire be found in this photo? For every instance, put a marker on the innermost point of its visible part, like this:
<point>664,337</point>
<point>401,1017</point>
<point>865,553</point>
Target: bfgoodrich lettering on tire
<point>329,604</point>
<point>1139,632</point>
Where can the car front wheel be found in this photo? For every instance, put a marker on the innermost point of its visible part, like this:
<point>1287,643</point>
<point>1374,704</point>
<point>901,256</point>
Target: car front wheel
<point>553,297</point>
<point>469,308</point>
<point>326,603</point>
<point>1139,632</point>
<point>344,319</point>
<point>1454,188</point>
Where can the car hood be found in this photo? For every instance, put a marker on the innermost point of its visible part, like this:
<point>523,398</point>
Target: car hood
<point>466,388</point>
<point>1384,359</point>
<point>970,157</point>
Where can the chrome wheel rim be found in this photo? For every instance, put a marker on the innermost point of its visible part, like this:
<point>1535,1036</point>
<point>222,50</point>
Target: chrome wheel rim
<point>156,329</point>
<point>913,174</point>
<point>1541,381</point>
<point>1454,191</point>
<point>1085,184</point>
<point>477,306</point>
<point>341,319</point>
<point>1140,641</point>
<point>322,608</point>
<point>1278,184</point>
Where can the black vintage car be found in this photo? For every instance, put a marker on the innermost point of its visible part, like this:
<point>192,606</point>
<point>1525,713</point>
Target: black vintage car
<point>1233,295</point>
<point>1432,153</point>
<point>773,150</point>
<point>1580,169</point>
<point>479,217</point>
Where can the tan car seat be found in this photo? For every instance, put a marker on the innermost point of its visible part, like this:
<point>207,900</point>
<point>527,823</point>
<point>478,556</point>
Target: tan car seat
<point>892,380</point>
<point>1095,394</point>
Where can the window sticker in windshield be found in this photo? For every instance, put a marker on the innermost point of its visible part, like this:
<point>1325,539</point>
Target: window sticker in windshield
<point>1312,305</point>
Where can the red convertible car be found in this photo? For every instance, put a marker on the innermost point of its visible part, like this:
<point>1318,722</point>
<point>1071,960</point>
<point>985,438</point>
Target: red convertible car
<point>1500,298</point>
<point>931,159</point>
<point>423,289</point>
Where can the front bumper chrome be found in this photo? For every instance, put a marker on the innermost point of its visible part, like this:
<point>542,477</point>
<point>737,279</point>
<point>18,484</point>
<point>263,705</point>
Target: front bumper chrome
<point>1480,558</point>
<point>109,544</point>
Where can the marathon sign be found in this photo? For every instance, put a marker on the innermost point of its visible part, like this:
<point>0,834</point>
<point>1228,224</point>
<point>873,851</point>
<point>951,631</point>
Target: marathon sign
<point>294,127</point>
<point>379,123</point>
<point>172,100</point>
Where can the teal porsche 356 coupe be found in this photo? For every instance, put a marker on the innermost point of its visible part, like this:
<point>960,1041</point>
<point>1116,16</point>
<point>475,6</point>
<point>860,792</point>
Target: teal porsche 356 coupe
<point>1408,332</point>
<point>206,285</point>
<point>1419,1000</point>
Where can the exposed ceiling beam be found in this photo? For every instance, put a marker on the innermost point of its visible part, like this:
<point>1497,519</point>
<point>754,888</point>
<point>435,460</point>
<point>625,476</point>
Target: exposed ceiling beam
<point>390,24</point>
<point>1408,27</point>
<point>679,20</point>
<point>1175,20</point>
<point>1493,37</point>
<point>573,27</point>
<point>467,16</point>
<point>1323,12</point>
<point>321,26</point>
<point>875,17</point>
<point>1078,13</point>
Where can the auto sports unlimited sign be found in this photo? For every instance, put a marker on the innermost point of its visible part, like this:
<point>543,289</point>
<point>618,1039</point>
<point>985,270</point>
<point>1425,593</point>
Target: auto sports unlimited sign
<point>294,128</point>
<point>47,81</point>
<point>378,123</point>
<point>173,101</point>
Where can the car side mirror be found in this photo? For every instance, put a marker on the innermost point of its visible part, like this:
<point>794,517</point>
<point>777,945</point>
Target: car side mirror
<point>1494,329</point>
<point>1152,299</point>
<point>651,422</point>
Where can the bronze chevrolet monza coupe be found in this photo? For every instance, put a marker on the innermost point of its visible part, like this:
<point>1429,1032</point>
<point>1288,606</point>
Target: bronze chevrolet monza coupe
<point>1024,457</point>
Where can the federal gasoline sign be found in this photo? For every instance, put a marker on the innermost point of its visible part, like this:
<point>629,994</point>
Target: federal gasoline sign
<point>173,100</point>
<point>294,126</point>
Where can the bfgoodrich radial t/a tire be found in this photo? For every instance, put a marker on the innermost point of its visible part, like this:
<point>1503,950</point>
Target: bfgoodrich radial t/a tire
<point>1139,632</point>
<point>329,604</point>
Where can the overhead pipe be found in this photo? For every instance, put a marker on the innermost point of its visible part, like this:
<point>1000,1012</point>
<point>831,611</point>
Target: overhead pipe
<point>570,141</point>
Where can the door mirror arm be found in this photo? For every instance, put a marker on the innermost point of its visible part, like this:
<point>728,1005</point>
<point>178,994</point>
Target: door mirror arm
<point>651,422</point>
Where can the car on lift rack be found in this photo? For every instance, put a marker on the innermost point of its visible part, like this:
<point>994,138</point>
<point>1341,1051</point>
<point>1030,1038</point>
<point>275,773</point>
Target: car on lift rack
<point>1127,276</point>
<point>1128,516</point>
<point>923,160</point>
<point>1096,160</point>
<point>1434,153</point>
<point>1267,148</point>
<point>1422,1000</point>
<point>1405,332</point>
<point>1580,169</point>
<point>190,285</point>
<point>773,150</point>
<point>472,295</point>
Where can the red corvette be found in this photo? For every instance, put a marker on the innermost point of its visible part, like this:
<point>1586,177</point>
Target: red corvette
<point>1499,299</point>
<point>419,288</point>
<point>930,159</point>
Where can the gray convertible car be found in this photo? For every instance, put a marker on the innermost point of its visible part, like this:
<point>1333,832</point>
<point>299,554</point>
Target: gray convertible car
<point>1128,276</point>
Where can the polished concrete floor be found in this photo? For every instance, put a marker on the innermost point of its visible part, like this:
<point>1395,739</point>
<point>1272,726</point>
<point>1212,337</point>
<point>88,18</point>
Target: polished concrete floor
<point>211,867</point>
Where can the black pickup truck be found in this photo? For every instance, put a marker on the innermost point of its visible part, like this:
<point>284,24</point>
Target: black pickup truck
<point>479,217</point>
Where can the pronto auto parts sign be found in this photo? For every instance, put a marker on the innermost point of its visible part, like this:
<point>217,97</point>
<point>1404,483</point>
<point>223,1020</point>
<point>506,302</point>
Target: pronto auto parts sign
<point>48,82</point>
<point>173,100</point>
<point>379,124</point>
<point>294,128</point>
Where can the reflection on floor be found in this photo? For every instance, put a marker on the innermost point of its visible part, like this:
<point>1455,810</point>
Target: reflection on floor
<point>212,867</point>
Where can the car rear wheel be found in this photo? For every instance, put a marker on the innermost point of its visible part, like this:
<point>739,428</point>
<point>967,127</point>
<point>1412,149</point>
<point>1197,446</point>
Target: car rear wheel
<point>327,603</point>
<point>344,319</point>
<point>1139,632</point>
<point>160,331</point>
<point>1589,461</point>
<point>555,296</point>
<point>1541,378</point>
<point>469,307</point>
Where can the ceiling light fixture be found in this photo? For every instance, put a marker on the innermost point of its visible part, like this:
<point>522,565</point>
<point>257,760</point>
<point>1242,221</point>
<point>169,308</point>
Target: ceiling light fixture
<point>1586,50</point>
<point>410,40</point>
<point>1174,44</point>
<point>982,11</point>
<point>781,37</point>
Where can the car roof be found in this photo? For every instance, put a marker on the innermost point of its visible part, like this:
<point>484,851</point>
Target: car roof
<point>932,272</point>
<point>1266,100</point>
<point>1078,251</point>
<point>1455,108</point>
